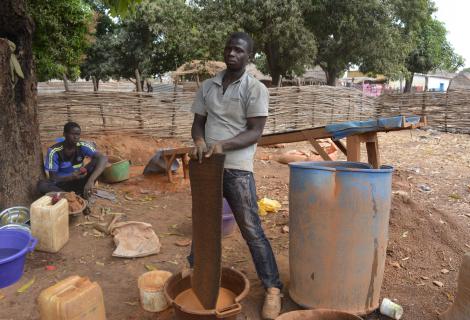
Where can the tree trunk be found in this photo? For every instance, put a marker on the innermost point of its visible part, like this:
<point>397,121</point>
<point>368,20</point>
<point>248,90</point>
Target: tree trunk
<point>331,75</point>
<point>20,147</point>
<point>66,82</point>
<point>276,79</point>
<point>95,83</point>
<point>138,85</point>
<point>408,83</point>
<point>272,57</point>
<point>149,86</point>
<point>426,83</point>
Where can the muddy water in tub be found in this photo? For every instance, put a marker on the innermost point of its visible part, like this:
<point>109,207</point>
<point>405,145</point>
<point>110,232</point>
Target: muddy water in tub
<point>188,300</point>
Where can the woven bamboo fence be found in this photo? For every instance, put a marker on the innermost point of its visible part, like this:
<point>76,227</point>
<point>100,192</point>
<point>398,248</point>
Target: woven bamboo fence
<point>167,114</point>
<point>446,111</point>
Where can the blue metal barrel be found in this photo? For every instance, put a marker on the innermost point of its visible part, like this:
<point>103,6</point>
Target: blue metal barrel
<point>338,231</point>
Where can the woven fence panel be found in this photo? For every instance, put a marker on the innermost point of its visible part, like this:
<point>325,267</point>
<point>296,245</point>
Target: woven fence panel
<point>446,111</point>
<point>167,114</point>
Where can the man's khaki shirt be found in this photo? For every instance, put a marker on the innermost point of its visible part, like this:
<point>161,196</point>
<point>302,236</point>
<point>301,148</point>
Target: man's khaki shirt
<point>227,113</point>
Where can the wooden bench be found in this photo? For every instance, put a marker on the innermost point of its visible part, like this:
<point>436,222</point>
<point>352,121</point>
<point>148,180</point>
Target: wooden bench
<point>352,149</point>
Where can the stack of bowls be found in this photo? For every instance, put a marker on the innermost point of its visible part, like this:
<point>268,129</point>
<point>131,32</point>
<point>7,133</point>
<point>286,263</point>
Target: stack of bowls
<point>15,218</point>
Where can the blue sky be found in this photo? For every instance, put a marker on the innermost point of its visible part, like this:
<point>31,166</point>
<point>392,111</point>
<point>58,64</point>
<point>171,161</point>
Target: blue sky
<point>456,14</point>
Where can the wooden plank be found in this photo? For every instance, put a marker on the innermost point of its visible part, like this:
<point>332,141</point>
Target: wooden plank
<point>178,151</point>
<point>206,190</point>
<point>367,137</point>
<point>294,136</point>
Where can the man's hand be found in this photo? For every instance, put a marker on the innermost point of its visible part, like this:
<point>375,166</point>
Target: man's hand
<point>87,190</point>
<point>199,149</point>
<point>214,149</point>
<point>77,175</point>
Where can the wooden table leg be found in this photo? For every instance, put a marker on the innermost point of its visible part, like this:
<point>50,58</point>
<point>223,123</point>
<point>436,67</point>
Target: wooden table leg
<point>373,152</point>
<point>168,161</point>
<point>353,145</point>
<point>341,147</point>
<point>319,149</point>
<point>185,160</point>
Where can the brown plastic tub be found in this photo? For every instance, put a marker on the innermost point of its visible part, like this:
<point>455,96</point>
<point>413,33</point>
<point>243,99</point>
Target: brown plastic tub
<point>318,314</point>
<point>232,280</point>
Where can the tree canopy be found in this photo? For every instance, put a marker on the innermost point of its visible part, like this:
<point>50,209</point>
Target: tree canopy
<point>61,36</point>
<point>432,51</point>
<point>373,35</point>
<point>277,27</point>
<point>150,37</point>
<point>157,37</point>
<point>99,63</point>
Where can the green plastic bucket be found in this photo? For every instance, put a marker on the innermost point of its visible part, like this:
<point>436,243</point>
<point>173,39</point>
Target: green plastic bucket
<point>116,172</point>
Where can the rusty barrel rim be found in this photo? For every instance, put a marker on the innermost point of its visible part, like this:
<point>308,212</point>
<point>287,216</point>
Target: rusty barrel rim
<point>178,277</point>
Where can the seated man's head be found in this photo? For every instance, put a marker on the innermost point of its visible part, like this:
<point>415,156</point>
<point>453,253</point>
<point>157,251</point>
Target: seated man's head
<point>238,49</point>
<point>72,132</point>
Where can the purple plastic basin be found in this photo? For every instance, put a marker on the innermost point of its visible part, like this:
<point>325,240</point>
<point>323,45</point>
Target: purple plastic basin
<point>14,245</point>
<point>228,220</point>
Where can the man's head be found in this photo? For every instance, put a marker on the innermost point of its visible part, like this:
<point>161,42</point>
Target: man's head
<point>72,132</point>
<point>238,50</point>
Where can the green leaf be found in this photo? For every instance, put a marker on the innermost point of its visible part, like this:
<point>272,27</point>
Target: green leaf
<point>16,66</point>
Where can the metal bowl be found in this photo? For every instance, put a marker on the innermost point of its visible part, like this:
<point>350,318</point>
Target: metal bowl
<point>14,215</point>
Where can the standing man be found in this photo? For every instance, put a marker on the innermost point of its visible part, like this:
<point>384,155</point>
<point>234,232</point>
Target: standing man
<point>64,162</point>
<point>230,112</point>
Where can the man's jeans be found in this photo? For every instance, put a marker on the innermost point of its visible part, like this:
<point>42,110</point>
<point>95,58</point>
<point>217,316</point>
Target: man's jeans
<point>240,192</point>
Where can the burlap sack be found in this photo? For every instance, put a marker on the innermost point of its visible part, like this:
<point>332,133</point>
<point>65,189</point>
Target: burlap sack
<point>134,239</point>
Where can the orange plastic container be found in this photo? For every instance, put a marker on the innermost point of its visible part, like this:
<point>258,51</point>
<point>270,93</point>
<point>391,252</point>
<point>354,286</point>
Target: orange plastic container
<point>50,223</point>
<point>73,298</point>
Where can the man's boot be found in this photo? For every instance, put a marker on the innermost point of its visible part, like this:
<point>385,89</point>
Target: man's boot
<point>272,303</point>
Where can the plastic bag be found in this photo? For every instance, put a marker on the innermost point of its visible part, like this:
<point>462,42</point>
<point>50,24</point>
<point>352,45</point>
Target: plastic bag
<point>266,206</point>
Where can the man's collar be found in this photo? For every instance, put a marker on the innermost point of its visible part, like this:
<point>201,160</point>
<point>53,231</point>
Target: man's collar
<point>220,76</point>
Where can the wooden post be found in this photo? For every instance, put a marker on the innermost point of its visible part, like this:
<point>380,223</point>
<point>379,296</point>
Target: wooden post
<point>102,116</point>
<point>373,155</point>
<point>69,113</point>
<point>423,106</point>
<point>168,161</point>
<point>139,114</point>
<point>353,144</point>
<point>446,113</point>
<point>349,106</point>
<point>173,112</point>
<point>185,161</point>
<point>296,121</point>
<point>313,111</point>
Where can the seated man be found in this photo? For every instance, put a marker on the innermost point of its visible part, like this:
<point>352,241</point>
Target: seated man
<point>64,162</point>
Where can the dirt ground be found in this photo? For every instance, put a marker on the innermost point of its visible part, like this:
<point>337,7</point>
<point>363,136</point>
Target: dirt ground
<point>429,229</point>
